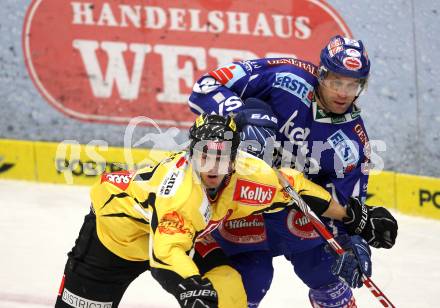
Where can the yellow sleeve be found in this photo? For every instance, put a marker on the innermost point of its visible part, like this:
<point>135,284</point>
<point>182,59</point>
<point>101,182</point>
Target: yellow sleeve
<point>314,195</point>
<point>271,197</point>
<point>120,228</point>
<point>181,213</point>
<point>172,240</point>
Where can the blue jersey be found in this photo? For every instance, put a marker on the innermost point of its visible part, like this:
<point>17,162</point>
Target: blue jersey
<point>329,149</point>
<point>332,150</point>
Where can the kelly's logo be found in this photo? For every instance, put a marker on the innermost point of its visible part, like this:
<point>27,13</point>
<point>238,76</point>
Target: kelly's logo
<point>109,61</point>
<point>253,193</point>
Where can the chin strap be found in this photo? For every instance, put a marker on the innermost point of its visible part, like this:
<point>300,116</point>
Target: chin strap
<point>213,193</point>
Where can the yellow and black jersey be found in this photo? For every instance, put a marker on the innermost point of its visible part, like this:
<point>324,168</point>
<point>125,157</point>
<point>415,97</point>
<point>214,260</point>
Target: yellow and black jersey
<point>254,188</point>
<point>175,208</point>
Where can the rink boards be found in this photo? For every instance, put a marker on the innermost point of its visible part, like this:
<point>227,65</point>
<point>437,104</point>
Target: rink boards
<point>72,163</point>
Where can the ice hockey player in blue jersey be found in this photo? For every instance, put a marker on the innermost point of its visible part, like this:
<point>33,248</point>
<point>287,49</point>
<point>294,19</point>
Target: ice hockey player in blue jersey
<point>312,114</point>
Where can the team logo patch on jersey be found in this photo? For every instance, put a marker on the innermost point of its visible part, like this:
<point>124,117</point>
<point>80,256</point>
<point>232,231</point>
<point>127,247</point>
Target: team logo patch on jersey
<point>253,193</point>
<point>173,223</point>
<point>294,85</point>
<point>246,230</point>
<point>300,225</point>
<point>228,74</point>
<point>171,183</point>
<point>120,179</point>
<point>345,148</point>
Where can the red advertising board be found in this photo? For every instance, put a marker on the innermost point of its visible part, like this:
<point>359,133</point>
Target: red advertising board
<point>109,61</point>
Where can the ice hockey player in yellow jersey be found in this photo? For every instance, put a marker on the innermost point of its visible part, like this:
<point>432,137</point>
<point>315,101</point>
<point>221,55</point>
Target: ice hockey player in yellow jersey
<point>151,219</point>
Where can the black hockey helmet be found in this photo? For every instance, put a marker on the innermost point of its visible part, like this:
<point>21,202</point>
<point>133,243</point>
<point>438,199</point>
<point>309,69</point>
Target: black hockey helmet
<point>211,132</point>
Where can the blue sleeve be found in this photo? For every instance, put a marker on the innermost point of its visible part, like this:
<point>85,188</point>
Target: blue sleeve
<point>222,90</point>
<point>353,184</point>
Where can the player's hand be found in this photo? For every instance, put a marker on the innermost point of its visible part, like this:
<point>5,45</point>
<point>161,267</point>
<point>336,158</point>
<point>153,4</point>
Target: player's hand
<point>374,223</point>
<point>195,292</point>
<point>258,126</point>
<point>354,262</point>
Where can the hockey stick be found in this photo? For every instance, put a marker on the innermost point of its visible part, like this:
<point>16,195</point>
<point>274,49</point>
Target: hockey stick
<point>321,228</point>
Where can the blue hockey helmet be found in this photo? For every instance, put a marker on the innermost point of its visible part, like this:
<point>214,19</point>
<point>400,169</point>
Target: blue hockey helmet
<point>346,57</point>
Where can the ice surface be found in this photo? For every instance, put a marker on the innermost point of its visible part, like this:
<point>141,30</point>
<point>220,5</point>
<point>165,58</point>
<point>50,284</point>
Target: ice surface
<point>39,223</point>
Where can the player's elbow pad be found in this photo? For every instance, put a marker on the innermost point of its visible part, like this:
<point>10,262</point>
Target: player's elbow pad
<point>317,204</point>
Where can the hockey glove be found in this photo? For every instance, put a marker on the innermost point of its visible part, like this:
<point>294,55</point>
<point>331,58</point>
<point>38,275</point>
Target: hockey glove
<point>355,261</point>
<point>258,125</point>
<point>195,292</point>
<point>374,223</point>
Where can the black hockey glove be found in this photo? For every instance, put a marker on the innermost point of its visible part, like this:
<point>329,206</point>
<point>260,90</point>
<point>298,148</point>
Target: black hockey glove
<point>374,223</point>
<point>195,292</point>
<point>258,125</point>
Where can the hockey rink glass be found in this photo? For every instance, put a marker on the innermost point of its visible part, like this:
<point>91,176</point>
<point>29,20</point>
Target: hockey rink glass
<point>348,86</point>
<point>211,161</point>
